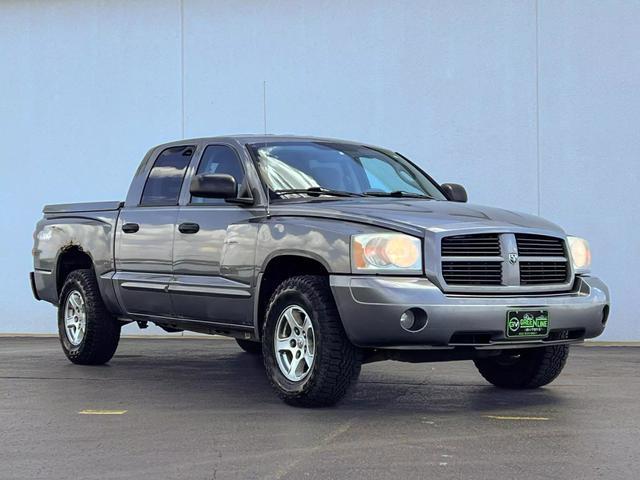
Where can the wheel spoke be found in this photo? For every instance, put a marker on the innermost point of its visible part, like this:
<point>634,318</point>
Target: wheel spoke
<point>72,334</point>
<point>73,300</point>
<point>283,344</point>
<point>295,363</point>
<point>307,326</point>
<point>299,317</point>
<point>291,321</point>
<point>308,358</point>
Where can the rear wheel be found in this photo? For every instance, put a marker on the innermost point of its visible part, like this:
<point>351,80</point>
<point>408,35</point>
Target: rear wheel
<point>89,334</point>
<point>248,346</point>
<point>526,368</point>
<point>307,355</point>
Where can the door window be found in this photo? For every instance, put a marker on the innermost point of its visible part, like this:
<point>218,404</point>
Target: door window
<point>220,159</point>
<point>165,178</point>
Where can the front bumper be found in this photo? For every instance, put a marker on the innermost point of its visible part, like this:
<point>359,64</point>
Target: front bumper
<point>370,308</point>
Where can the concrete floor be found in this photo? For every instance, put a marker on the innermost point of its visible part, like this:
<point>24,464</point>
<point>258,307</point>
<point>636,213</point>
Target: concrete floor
<point>202,409</point>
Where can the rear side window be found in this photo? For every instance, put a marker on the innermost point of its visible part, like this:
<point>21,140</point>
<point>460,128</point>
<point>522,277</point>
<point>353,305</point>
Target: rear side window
<point>220,159</point>
<point>165,179</point>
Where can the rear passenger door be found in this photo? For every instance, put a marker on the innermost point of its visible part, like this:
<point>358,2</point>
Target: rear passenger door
<point>213,266</point>
<point>144,237</point>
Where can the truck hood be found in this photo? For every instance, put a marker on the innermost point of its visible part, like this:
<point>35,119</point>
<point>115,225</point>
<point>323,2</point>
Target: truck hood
<point>417,214</point>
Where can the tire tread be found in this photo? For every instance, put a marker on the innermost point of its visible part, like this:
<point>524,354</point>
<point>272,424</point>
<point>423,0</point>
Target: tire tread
<point>541,366</point>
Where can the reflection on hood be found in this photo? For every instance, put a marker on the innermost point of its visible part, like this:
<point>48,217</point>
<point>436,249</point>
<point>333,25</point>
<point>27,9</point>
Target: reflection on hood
<point>422,214</point>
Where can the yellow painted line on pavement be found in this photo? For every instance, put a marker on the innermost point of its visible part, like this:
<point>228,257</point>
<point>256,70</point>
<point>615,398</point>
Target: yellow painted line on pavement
<point>102,412</point>
<point>501,417</point>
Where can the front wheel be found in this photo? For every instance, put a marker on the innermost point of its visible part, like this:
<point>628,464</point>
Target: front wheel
<point>89,334</point>
<point>307,355</point>
<point>526,368</point>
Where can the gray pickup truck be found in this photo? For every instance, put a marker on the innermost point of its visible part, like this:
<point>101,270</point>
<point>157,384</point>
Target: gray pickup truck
<point>320,255</point>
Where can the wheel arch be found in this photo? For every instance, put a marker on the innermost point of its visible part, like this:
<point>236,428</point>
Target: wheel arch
<point>278,268</point>
<point>69,259</point>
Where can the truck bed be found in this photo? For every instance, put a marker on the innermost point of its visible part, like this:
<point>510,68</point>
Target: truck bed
<point>69,229</point>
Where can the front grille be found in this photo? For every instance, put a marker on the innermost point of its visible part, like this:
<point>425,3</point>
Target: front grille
<point>543,273</point>
<point>539,246</point>
<point>471,246</point>
<point>472,273</point>
<point>504,260</point>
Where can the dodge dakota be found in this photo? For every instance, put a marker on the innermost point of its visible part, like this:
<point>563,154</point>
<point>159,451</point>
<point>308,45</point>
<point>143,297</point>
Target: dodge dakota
<point>320,255</point>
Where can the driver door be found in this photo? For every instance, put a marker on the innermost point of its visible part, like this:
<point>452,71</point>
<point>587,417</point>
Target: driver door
<point>214,248</point>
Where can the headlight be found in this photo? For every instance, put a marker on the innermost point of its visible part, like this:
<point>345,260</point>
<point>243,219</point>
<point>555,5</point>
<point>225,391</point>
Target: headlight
<point>386,252</point>
<point>580,254</point>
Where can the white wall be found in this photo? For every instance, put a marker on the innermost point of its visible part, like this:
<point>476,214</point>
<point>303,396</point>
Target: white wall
<point>533,106</point>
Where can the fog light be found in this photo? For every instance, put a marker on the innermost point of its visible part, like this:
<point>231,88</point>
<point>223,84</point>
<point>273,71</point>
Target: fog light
<point>414,320</point>
<point>407,320</point>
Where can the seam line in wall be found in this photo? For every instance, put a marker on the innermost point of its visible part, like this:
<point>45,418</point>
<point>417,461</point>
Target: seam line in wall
<point>538,104</point>
<point>182,67</point>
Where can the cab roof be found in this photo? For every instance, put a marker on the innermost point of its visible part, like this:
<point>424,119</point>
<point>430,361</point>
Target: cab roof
<point>247,139</point>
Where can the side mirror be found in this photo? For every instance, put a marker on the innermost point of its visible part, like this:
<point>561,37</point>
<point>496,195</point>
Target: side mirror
<point>214,185</point>
<point>454,192</point>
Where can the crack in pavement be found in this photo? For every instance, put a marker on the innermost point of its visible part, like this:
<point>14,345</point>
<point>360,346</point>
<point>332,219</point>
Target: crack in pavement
<point>315,449</point>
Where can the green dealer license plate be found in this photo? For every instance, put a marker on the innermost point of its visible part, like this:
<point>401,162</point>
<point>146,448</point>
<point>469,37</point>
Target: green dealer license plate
<point>527,323</point>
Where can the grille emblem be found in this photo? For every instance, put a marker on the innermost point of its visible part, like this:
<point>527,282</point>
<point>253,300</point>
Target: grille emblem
<point>513,258</point>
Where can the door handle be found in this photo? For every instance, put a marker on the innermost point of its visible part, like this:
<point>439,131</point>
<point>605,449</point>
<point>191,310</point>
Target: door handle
<point>130,227</point>
<point>189,227</point>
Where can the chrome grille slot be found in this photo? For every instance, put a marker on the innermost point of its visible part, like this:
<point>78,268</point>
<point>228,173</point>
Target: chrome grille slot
<point>486,245</point>
<point>539,246</point>
<point>472,273</point>
<point>542,273</point>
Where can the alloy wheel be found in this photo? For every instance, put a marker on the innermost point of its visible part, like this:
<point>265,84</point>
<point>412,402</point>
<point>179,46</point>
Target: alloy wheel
<point>294,343</point>
<point>75,318</point>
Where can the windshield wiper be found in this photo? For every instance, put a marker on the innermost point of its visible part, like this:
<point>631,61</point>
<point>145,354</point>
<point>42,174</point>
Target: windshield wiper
<point>316,191</point>
<point>399,194</point>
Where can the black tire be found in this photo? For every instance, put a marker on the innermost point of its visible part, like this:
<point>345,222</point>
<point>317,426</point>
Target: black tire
<point>102,331</point>
<point>526,368</point>
<point>255,348</point>
<point>336,364</point>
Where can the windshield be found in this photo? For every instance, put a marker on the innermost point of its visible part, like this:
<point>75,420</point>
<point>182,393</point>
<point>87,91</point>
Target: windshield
<point>323,168</point>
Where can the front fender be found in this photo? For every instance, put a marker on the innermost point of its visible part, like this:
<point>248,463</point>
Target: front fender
<point>323,240</point>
